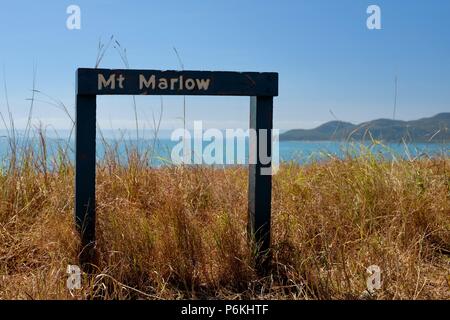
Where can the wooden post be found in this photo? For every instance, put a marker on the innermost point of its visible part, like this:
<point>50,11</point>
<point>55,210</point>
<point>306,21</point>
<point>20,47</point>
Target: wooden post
<point>85,132</point>
<point>260,182</point>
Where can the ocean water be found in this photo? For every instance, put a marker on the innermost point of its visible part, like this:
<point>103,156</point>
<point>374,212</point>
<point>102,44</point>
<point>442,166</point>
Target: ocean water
<point>316,150</point>
<point>159,151</point>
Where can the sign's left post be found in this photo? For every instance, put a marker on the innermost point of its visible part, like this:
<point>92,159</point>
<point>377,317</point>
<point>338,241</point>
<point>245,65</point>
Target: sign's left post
<point>85,132</point>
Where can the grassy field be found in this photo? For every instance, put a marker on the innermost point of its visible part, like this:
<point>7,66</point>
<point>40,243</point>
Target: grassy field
<point>180,232</point>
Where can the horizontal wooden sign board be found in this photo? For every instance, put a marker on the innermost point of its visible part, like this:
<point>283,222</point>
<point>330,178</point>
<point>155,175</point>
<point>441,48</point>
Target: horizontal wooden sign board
<point>169,82</point>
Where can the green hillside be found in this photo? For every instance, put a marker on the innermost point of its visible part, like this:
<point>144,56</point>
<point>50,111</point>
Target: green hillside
<point>434,129</point>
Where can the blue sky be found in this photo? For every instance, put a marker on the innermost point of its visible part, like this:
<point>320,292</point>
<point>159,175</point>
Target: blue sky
<point>326,57</point>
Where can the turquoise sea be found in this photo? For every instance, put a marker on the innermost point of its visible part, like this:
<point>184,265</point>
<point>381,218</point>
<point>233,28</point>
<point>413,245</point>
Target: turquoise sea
<point>159,151</point>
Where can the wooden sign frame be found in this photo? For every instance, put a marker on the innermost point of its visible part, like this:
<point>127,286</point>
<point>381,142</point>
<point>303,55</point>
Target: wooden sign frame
<point>260,87</point>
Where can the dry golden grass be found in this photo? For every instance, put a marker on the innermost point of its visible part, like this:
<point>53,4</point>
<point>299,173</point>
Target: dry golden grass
<point>179,232</point>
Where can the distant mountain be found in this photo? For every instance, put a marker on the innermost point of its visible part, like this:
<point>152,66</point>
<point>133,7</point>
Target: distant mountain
<point>434,129</point>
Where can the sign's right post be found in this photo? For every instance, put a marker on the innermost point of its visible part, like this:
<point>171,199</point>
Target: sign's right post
<point>260,180</point>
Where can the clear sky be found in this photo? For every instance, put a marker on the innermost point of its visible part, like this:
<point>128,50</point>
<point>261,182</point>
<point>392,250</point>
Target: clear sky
<point>326,57</point>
